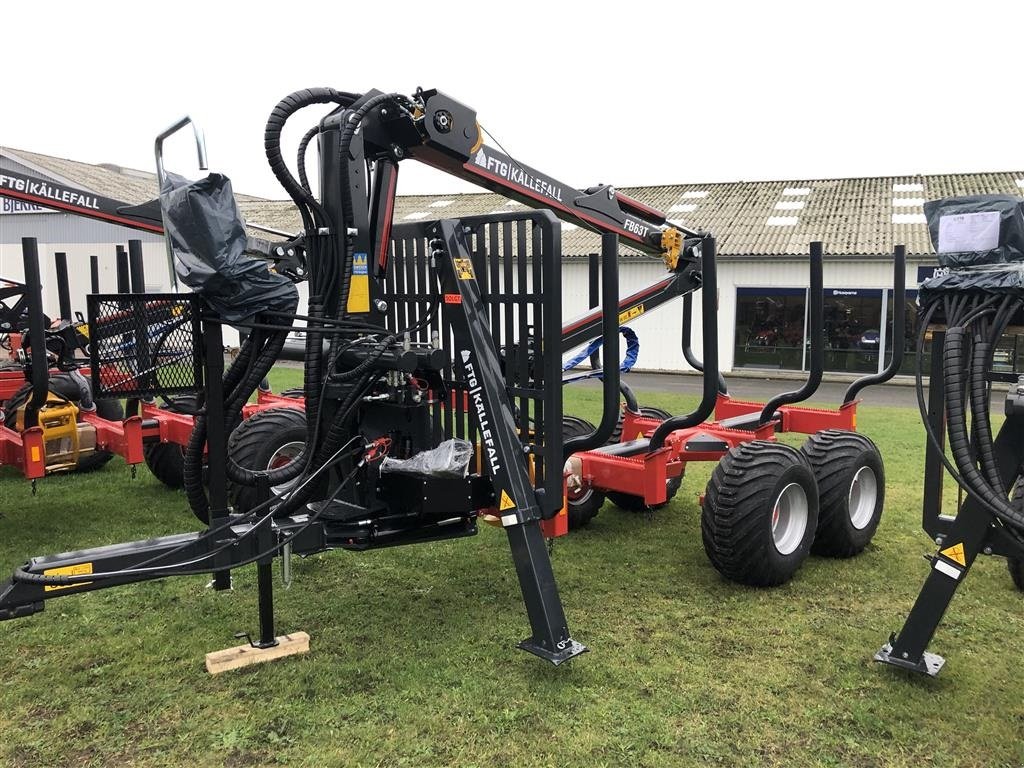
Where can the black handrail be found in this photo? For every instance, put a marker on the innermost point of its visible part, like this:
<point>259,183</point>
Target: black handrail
<point>610,333</point>
<point>688,355</point>
<point>899,296</point>
<point>709,335</point>
<point>817,326</point>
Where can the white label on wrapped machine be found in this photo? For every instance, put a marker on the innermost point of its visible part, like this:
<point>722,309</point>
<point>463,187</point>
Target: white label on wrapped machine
<point>969,232</point>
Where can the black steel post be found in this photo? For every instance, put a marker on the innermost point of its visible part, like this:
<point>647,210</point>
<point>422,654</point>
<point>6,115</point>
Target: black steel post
<point>216,439</point>
<point>709,337</point>
<point>123,280</point>
<point>817,329</point>
<point>610,335</point>
<point>94,273</point>
<point>593,297</point>
<point>688,354</point>
<point>60,261</point>
<point>899,298</point>
<point>40,373</point>
<point>265,570</point>
<point>136,268</point>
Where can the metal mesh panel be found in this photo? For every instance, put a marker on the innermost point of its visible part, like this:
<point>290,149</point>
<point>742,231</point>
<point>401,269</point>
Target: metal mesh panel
<point>142,345</point>
<point>517,261</point>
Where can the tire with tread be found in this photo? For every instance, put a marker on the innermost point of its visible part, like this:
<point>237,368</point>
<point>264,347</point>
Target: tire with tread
<point>167,460</point>
<point>255,443</point>
<point>742,507</point>
<point>851,490</point>
<point>585,506</point>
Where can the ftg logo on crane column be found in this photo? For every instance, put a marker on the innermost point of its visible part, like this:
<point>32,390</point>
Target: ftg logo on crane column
<point>476,396</point>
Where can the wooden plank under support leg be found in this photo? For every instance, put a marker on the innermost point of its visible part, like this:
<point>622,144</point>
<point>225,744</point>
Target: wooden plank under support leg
<point>244,655</point>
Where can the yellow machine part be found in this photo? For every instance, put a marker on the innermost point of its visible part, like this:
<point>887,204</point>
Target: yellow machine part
<point>64,439</point>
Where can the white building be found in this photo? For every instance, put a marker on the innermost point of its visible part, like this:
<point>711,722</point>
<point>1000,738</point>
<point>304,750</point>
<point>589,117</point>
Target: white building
<point>763,231</point>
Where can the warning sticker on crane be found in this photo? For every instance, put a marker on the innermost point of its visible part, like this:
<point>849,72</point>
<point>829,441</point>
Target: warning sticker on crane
<point>80,569</point>
<point>955,553</point>
<point>463,269</point>
<point>506,502</point>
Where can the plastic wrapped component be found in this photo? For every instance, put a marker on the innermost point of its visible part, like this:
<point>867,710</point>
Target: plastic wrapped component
<point>207,236</point>
<point>449,459</point>
<point>1000,279</point>
<point>981,229</point>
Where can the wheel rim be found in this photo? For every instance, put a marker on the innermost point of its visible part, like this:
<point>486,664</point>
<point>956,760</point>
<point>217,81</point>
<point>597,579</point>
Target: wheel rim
<point>789,518</point>
<point>282,457</point>
<point>863,496</point>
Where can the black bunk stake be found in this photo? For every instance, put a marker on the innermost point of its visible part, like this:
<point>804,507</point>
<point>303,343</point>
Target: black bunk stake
<point>60,261</point>
<point>94,273</point>
<point>817,327</point>
<point>504,457</point>
<point>136,269</point>
<point>123,279</point>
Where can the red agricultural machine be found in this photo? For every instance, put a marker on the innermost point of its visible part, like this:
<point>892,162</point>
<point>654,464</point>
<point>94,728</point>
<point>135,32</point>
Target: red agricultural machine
<point>49,420</point>
<point>433,379</point>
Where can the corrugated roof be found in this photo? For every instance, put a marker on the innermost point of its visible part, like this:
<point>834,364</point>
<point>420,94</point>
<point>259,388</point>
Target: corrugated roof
<point>108,180</point>
<point>854,217</point>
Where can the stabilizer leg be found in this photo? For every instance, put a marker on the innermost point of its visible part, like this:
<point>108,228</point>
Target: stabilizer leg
<point>550,639</point>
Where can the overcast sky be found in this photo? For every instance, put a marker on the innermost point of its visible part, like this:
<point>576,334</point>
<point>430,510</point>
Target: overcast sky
<point>626,93</point>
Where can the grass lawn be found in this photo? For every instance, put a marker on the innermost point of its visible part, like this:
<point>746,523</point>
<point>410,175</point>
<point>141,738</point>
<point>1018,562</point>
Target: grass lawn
<point>413,660</point>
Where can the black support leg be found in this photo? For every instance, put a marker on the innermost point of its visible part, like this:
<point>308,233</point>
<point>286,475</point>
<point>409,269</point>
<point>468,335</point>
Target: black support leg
<point>550,639</point>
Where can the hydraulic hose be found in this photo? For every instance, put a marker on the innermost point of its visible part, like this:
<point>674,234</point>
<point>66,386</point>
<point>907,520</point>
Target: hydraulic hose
<point>959,444</point>
<point>980,400</point>
<point>288,106</point>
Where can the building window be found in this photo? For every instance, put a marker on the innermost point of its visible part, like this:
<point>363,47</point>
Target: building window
<point>770,328</point>
<point>907,332</point>
<point>852,334</point>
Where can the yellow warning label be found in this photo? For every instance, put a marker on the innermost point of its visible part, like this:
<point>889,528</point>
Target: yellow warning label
<point>506,502</point>
<point>640,435</point>
<point>68,570</point>
<point>955,553</point>
<point>359,285</point>
<point>629,314</point>
<point>463,269</point>
<point>35,453</point>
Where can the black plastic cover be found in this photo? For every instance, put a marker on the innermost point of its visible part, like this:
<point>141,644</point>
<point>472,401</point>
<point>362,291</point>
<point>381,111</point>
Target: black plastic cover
<point>1000,279</point>
<point>1008,246</point>
<point>207,235</point>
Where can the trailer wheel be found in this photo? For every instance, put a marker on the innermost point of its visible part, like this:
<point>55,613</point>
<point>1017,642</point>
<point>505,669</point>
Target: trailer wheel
<point>582,504</point>
<point>167,460</point>
<point>851,487</point>
<point>266,440</point>
<point>760,512</point>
